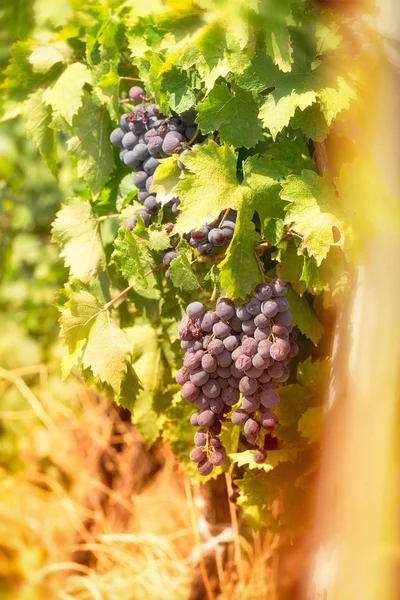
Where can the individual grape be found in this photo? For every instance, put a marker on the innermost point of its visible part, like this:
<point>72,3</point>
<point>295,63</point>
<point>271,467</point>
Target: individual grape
<point>224,359</point>
<point>191,361</point>
<point>140,152</point>
<point>253,372</point>
<point>269,308</point>
<point>265,377</point>
<point>260,362</point>
<point>122,155</point>
<point>279,350</point>
<point>209,363</point>
<point>129,141</point>
<point>197,455</point>
<point>124,123</point>
<point>185,330</point>
<point>285,375</point>
<point>247,385</point>
<point>251,403</point>
<point>294,350</point>
<point>261,334</point>
<point>249,327</point>
<point>280,331</point>
<point>136,93</point>
<point>169,257</point>
<point>231,343</point>
<point>139,179</point>
<point>284,318</point>
<point>263,291</point>
<point>230,396</point>
<point>195,310</point>
<point>236,324</point>
<point>151,205</point>
<point>233,381</point>
<point>251,427</point>
<point>137,127</point>
<point>171,143</point>
<point>224,373</point>
<point>202,402</point>
<point>215,442</point>
<point>250,346</point>
<point>200,235</point>
<point>188,116</point>
<point>221,330</point>
<point>216,237</point>
<point>215,347</point>
<point>242,313</point>
<point>131,160</point>
<point>175,124</point>
<point>261,321</point>
<point>200,438</point>
<point>228,229</point>
<point>142,195</point>
<point>149,181</point>
<point>268,421</point>
<point>175,208</point>
<point>205,248</point>
<point>189,391</point>
<point>206,418</point>
<point>150,165</point>
<point>190,131</point>
<point>144,215</point>
<point>279,287</point>
<point>253,307</point>
<point>260,455</point>
<point>116,137</point>
<point>225,308</point>
<point>235,373</point>
<point>276,370</point>
<point>199,377</point>
<point>217,405</point>
<point>182,376</point>
<point>269,398</point>
<point>194,419</point>
<point>243,362</point>
<point>282,303</point>
<point>215,429</point>
<point>205,467</point>
<point>239,417</point>
<point>207,321</point>
<point>252,439</point>
<point>264,348</point>
<point>217,457</point>
<point>198,345</point>
<point>211,389</point>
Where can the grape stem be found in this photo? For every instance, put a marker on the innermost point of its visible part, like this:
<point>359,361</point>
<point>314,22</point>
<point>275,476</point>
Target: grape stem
<point>116,216</point>
<point>125,100</point>
<point>131,78</point>
<point>224,216</point>
<point>129,288</point>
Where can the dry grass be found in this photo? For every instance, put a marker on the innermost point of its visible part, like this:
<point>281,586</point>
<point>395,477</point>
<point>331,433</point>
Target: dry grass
<point>106,520</point>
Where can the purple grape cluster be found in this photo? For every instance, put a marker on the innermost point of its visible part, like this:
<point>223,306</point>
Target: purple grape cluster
<point>212,237</point>
<point>235,353</point>
<point>145,135</point>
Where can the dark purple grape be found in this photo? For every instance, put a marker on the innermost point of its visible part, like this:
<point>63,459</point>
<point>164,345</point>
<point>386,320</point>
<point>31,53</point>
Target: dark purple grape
<point>260,362</point>
<point>142,195</point>
<point>182,376</point>
<point>205,248</point>
<point>236,324</point>
<point>228,229</point>
<point>294,350</point>
<point>250,346</point>
<point>263,292</point>
<point>200,438</point>
<point>194,419</point>
<point>151,205</point>
<point>136,93</point>
<point>169,257</point>
<point>205,467</point>
<point>197,455</point>
<point>242,313</point>
<point>260,455</point>
<point>175,124</point>
<point>282,303</point>
<point>122,155</point>
<point>171,142</point>
<point>239,417</point>
<point>190,131</point>
<point>206,418</point>
<point>261,334</point>
<point>207,321</point>
<point>148,182</point>
<point>265,377</point>
<point>261,321</point>
<point>269,398</point>
<point>253,307</point>
<point>195,310</point>
<point>216,428</point>
<point>231,343</point>
<point>131,160</point>
<point>200,235</point>
<point>215,442</point>
<point>233,381</point>
<point>225,308</point>
<point>150,165</point>
<point>202,402</point>
<point>280,331</point>
<point>284,318</point>
<point>279,350</point>
<point>248,327</point>
<point>138,127</point>
<point>129,141</point>
<point>124,123</point>
<point>279,287</point>
<point>215,347</point>
<point>247,385</point>
<point>209,363</point>
<point>189,391</point>
<point>264,348</point>
<point>230,396</point>
<point>221,330</point>
<point>269,308</point>
<point>254,372</point>
<point>216,237</point>
<point>276,370</point>
<point>217,457</point>
<point>251,403</point>
<point>211,389</point>
<point>217,405</point>
<point>139,179</point>
<point>236,373</point>
<point>224,359</point>
<point>116,137</point>
<point>285,375</point>
<point>268,421</point>
<point>199,377</point>
<point>251,427</point>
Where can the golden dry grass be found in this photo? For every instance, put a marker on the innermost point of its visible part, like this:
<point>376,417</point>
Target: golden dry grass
<point>66,533</point>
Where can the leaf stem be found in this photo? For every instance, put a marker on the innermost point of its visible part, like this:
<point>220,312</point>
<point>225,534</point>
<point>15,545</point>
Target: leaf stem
<point>129,288</point>
<point>130,78</point>
<point>125,100</point>
<point>116,216</point>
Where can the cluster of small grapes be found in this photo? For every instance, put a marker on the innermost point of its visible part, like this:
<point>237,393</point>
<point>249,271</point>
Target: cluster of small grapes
<point>232,352</point>
<point>145,135</point>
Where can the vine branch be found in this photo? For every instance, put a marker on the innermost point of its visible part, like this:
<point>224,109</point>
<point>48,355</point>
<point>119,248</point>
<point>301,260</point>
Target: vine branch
<point>129,288</point>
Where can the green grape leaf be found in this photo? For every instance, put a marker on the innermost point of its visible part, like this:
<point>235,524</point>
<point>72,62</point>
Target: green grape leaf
<point>310,424</point>
<point>259,75</point>
<point>312,211</point>
<point>165,178</point>
<point>290,266</point>
<point>76,229</point>
<point>38,117</point>
<point>276,16</point>
<point>176,85</point>
<point>42,58</point>
<point>233,113</point>
<point>292,154</point>
<point>312,275</point>
<point>106,82</point>
<point>273,230</point>
<point>181,272</point>
<point>262,175</point>
<point>209,187</point>
<point>314,375</point>
<point>91,145</point>
<point>294,402</point>
<point>159,239</point>
<point>239,272</point>
<point>312,122</point>
<point>304,316</point>
<point>106,351</point>
<point>274,457</point>
<point>65,96</point>
<point>127,256</point>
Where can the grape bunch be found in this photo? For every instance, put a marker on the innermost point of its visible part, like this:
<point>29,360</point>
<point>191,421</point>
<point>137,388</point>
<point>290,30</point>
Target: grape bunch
<point>235,354</point>
<point>212,237</point>
<point>145,135</point>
